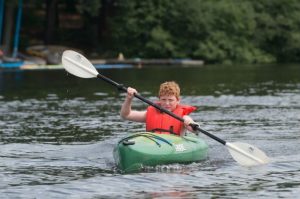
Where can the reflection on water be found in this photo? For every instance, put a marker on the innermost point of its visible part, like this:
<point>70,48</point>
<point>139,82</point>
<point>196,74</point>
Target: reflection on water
<point>57,133</point>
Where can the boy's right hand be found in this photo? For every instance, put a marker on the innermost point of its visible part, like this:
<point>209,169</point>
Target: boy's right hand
<point>131,92</point>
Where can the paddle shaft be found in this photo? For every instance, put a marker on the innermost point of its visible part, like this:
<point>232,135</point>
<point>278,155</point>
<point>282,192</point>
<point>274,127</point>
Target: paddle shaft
<point>124,89</point>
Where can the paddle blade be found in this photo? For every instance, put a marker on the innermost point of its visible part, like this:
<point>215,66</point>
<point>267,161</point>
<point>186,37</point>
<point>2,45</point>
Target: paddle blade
<point>246,154</point>
<point>78,65</point>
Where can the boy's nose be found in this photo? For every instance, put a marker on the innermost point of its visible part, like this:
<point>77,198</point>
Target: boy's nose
<point>168,102</point>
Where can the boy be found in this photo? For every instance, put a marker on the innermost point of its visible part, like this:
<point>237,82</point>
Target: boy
<point>157,121</point>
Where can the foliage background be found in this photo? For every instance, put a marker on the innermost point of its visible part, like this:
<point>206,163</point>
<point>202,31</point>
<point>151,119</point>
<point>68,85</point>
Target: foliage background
<point>227,31</point>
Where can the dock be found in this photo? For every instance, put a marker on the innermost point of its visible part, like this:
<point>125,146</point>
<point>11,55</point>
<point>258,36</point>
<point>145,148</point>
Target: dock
<point>107,64</point>
<point>142,62</point>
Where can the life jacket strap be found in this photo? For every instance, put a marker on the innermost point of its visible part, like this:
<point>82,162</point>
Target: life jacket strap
<point>164,130</point>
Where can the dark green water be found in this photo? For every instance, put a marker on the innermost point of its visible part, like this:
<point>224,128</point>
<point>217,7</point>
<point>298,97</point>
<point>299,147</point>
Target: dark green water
<point>57,133</point>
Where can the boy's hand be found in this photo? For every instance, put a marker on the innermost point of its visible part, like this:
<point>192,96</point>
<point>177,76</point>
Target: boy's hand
<point>130,92</point>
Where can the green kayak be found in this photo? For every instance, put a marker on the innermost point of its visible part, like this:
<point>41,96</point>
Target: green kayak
<point>150,149</point>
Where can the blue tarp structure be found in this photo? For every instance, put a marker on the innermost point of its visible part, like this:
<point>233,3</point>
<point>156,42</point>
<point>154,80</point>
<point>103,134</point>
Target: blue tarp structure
<point>11,62</point>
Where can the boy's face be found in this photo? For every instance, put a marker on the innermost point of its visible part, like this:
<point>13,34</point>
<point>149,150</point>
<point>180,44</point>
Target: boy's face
<point>168,102</point>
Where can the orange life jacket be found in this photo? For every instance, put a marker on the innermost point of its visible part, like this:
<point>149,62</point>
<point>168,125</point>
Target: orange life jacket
<point>160,122</point>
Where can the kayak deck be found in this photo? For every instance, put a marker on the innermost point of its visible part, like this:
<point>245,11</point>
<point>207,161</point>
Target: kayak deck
<point>150,149</point>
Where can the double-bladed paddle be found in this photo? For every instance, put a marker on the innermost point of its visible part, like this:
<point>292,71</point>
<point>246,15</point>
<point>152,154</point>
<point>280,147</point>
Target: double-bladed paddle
<point>245,154</point>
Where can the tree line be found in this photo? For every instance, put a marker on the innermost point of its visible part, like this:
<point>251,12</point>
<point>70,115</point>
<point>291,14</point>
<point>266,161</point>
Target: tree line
<point>227,31</point>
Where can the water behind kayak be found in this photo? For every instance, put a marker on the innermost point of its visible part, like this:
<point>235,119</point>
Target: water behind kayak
<point>57,133</point>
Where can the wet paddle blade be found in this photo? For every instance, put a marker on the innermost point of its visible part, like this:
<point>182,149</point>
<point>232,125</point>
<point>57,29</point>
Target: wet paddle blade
<point>246,154</point>
<point>78,65</point>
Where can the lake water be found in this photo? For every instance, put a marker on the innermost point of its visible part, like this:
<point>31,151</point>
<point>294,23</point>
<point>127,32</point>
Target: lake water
<point>57,133</point>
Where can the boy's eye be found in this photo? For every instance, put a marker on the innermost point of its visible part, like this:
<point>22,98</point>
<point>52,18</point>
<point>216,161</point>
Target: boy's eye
<point>168,100</point>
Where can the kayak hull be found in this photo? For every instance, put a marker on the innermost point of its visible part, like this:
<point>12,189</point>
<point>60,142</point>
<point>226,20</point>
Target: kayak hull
<point>138,150</point>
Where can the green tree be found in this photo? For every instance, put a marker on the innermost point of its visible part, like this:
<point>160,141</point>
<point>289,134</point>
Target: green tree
<point>227,31</point>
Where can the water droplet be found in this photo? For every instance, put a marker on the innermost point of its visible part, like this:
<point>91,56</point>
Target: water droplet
<point>251,150</point>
